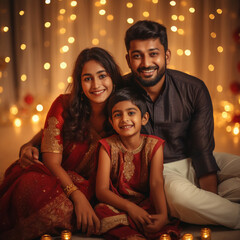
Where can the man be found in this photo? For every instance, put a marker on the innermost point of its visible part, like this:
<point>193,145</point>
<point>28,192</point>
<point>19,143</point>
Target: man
<point>198,189</point>
<point>201,188</point>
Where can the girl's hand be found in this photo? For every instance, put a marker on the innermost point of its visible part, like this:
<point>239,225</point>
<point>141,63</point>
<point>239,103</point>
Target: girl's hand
<point>140,217</point>
<point>87,220</point>
<point>158,222</point>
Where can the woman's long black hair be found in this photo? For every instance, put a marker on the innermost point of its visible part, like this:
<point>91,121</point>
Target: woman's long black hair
<point>77,112</point>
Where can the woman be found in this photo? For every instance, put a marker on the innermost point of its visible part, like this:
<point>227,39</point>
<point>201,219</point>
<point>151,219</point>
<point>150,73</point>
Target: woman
<point>34,200</point>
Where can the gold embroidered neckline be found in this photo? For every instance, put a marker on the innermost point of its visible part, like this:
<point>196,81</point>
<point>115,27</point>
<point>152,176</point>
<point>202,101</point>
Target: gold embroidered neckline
<point>134,151</point>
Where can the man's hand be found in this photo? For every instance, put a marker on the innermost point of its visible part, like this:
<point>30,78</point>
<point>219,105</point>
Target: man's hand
<point>28,155</point>
<point>209,183</point>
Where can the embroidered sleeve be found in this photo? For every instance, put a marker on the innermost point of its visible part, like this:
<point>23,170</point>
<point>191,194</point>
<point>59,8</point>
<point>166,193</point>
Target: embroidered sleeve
<point>52,138</point>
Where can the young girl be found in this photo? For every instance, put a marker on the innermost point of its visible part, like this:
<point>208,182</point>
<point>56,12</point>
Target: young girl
<point>130,175</point>
<point>37,198</point>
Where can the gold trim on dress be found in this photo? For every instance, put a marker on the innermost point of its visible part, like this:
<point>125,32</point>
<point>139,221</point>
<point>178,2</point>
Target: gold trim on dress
<point>113,221</point>
<point>49,142</point>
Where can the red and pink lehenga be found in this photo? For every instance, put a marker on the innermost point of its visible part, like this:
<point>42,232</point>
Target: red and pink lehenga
<point>130,180</point>
<point>32,201</point>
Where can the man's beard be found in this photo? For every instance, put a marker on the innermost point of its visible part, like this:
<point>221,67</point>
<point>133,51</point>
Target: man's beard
<point>149,83</point>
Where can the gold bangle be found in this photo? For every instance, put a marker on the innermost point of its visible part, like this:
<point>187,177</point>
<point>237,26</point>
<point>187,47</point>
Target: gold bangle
<point>69,189</point>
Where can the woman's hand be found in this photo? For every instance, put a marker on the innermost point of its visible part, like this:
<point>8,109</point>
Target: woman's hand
<point>140,217</point>
<point>87,220</point>
<point>28,155</point>
<point>158,222</point>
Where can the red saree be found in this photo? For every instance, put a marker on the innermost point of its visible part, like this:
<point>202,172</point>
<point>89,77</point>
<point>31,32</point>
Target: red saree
<point>32,201</point>
<point>130,180</point>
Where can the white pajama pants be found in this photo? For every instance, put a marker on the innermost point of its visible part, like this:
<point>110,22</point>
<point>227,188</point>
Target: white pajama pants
<point>191,204</point>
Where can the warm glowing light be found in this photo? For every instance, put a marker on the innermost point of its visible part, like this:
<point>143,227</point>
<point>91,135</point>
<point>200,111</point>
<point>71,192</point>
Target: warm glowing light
<point>23,77</point>
<point>180,31</point>
<point>97,4</point>
<point>220,49</point>
<point>192,10</point>
<point>39,107</point>
<point>211,16</point>
<point>102,32</point>
<point>130,20</point>
<point>172,3</point>
<point>102,12</point>
<point>73,3</point>
<point>228,107</point>
<point>64,49</point>
<point>174,17</point>
<point>47,25</point>
<point>1,89</point>
<point>61,85</point>
<point>110,17</point>
<point>224,115</point>
<point>187,236</point>
<point>5,29</point>
<point>180,52</point>
<point>7,59</point>
<point>213,34</point>
<point>62,11</point>
<point>219,88</point>
<point>103,2</point>
<point>181,18</point>
<point>146,14</point>
<point>71,39</point>
<point>14,110</point>
<point>129,5</point>
<point>23,46</point>
<point>47,1</point>
<point>187,52</point>
<point>35,118</point>
<point>73,17</point>
<point>228,129</point>
<point>62,30</point>
<point>95,41</point>
<point>70,79</point>
<point>236,130</point>
<point>219,11</point>
<point>21,13</point>
<point>210,67</point>
<point>17,122</point>
<point>46,66</point>
<point>174,28</point>
<point>63,65</point>
<point>154,1</point>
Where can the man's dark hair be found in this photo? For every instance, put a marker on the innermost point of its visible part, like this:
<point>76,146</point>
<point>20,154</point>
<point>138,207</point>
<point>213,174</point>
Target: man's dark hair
<point>127,94</point>
<point>143,30</point>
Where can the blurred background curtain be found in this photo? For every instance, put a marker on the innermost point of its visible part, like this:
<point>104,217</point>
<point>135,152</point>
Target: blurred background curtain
<point>40,41</point>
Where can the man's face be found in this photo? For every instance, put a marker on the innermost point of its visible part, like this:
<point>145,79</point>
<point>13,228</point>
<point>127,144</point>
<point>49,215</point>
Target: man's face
<point>147,60</point>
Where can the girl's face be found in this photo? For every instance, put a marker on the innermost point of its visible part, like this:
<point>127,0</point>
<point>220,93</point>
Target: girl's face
<point>96,83</point>
<point>126,119</point>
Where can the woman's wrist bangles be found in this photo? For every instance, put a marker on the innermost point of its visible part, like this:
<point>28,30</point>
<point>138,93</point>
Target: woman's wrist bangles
<point>69,189</point>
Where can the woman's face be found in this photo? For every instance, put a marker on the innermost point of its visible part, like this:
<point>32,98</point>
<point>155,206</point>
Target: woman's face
<point>96,83</point>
